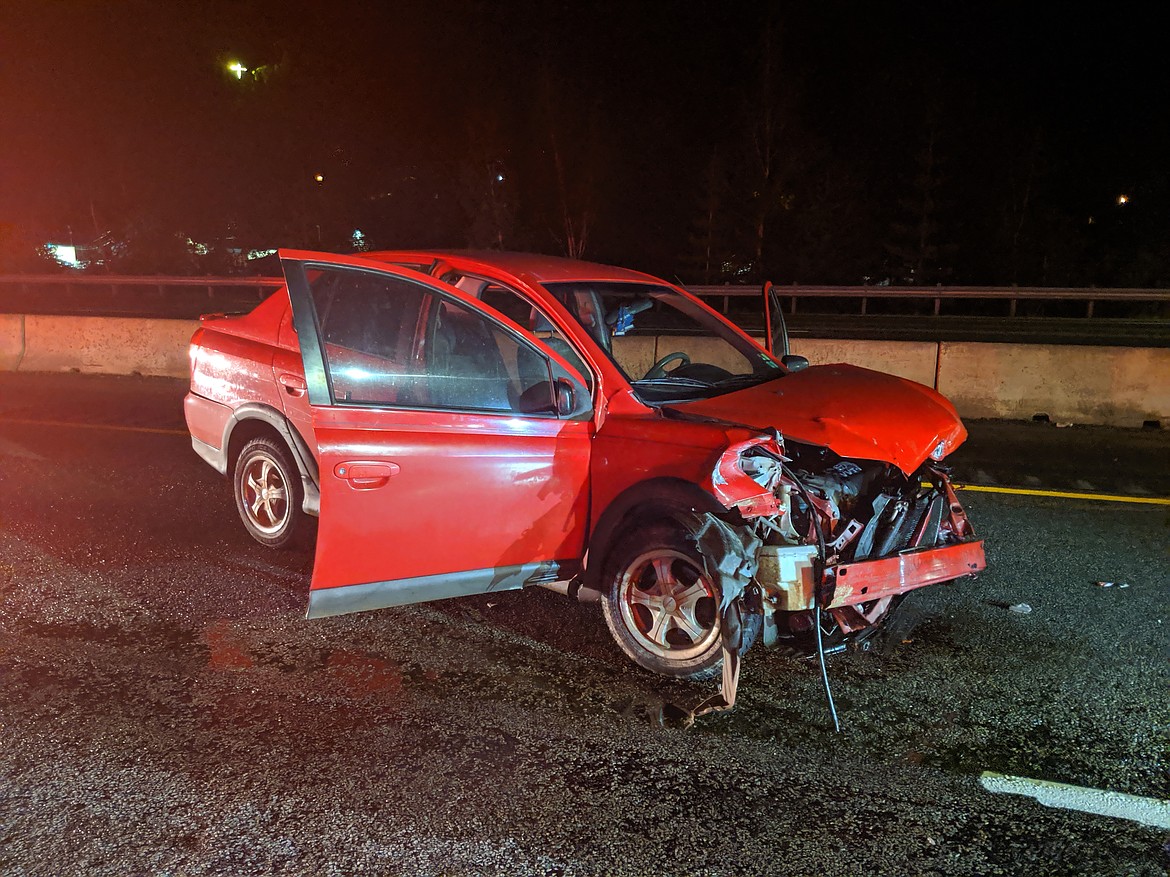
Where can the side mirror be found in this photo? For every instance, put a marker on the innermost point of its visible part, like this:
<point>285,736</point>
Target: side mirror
<point>794,362</point>
<point>544,398</point>
<point>565,397</point>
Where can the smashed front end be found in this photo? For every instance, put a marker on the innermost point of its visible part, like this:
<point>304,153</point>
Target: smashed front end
<point>846,537</point>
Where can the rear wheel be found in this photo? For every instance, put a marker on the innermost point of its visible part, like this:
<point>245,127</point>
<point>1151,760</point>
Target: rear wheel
<point>267,488</point>
<point>663,609</point>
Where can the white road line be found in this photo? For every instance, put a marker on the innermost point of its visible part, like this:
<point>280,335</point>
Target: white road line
<point>1148,811</point>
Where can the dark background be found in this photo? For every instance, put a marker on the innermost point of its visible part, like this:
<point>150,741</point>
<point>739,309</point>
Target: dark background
<point>831,142</point>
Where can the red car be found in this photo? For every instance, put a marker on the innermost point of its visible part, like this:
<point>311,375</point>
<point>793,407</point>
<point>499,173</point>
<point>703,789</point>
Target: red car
<point>471,422</point>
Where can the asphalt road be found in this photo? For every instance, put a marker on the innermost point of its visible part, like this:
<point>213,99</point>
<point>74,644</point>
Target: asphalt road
<point>165,709</point>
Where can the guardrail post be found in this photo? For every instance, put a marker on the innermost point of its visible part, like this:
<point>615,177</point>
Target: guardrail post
<point>937,306</point>
<point>864,304</point>
<point>1089,310</point>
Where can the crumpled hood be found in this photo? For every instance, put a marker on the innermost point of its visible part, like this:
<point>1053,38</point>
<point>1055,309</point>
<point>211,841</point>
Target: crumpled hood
<point>854,411</point>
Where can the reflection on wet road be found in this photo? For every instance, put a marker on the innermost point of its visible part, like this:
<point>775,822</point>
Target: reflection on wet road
<point>165,707</point>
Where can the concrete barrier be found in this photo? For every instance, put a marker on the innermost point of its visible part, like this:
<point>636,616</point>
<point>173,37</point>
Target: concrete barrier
<point>913,360</point>
<point>11,341</point>
<point>635,353</point>
<point>107,345</point>
<point>1114,386</point>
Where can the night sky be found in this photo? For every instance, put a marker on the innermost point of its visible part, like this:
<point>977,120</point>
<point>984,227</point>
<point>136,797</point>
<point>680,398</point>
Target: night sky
<point>122,117</point>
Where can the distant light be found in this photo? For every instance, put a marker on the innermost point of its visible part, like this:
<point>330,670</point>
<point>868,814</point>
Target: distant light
<point>66,254</point>
<point>1122,199</point>
<point>237,68</point>
<point>499,178</point>
<point>253,255</point>
<point>320,178</point>
<point>359,240</point>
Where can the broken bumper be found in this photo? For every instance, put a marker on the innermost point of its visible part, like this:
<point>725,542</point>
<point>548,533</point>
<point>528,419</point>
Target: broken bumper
<point>787,577</point>
<point>868,580</point>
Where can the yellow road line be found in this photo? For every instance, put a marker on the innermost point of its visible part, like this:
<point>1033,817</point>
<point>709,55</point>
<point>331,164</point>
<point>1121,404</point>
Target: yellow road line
<point>116,427</point>
<point>979,488</point>
<point>1063,494</point>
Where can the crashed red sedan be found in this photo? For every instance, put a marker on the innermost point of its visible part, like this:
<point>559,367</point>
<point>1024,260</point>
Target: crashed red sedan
<point>471,422</point>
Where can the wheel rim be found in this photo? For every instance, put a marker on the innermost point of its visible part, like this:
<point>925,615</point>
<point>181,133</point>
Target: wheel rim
<point>669,605</point>
<point>264,494</point>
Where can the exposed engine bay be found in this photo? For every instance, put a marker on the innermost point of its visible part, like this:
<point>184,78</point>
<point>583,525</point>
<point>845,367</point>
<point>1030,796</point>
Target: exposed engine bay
<point>825,547</point>
<point>848,537</point>
<point>842,516</point>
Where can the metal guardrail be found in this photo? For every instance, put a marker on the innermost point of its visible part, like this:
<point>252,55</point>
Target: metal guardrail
<point>187,297</point>
<point>1013,294</point>
<point>793,292</point>
<point>160,282</point>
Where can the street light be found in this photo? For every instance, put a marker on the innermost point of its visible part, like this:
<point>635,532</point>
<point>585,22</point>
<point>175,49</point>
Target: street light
<point>1122,199</point>
<point>237,68</point>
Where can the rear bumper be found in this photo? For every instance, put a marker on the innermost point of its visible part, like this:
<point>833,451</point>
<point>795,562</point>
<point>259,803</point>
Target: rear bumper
<point>205,421</point>
<point>868,580</point>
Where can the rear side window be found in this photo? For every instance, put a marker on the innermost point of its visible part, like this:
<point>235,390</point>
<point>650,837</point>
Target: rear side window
<point>368,313</point>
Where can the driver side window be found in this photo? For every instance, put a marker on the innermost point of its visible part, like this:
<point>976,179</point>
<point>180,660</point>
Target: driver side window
<point>514,306</point>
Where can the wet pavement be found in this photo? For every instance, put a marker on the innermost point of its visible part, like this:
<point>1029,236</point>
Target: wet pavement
<point>165,708</point>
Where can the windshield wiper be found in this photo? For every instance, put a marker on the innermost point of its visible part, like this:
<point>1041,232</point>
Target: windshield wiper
<point>672,383</point>
<point>746,380</point>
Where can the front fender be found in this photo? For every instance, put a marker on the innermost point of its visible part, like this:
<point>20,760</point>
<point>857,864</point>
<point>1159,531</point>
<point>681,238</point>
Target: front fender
<point>674,499</point>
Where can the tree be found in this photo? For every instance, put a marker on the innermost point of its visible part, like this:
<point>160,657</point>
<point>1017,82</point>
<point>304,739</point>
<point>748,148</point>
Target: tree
<point>777,151</point>
<point>831,240</point>
<point>914,248</point>
<point>572,162</point>
<point>487,194</point>
<point>707,250</point>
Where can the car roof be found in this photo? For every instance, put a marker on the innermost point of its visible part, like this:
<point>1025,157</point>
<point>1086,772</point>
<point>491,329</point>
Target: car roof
<point>534,266</point>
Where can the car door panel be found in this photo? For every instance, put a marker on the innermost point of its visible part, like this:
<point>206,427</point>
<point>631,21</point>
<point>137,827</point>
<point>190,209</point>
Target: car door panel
<point>420,502</point>
<point>470,505</point>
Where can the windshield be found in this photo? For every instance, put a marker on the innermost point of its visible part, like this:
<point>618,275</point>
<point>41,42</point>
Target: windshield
<point>669,348</point>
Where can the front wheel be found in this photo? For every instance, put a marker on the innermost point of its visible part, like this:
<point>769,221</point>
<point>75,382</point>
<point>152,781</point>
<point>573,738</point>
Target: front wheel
<point>267,488</point>
<point>662,607</point>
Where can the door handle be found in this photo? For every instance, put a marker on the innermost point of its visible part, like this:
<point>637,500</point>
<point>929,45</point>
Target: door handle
<point>366,474</point>
<point>294,385</point>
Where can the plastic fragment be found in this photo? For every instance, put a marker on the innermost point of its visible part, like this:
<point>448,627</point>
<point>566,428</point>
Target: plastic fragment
<point>1020,608</point>
<point>1111,584</point>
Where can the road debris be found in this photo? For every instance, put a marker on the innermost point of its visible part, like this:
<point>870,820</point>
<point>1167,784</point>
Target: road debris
<point>1111,584</point>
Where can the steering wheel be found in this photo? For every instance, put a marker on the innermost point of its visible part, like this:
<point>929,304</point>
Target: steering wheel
<point>658,370</point>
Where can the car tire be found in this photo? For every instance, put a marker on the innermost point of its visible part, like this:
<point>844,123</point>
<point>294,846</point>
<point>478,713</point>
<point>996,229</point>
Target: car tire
<point>267,488</point>
<point>680,636</point>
